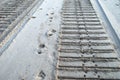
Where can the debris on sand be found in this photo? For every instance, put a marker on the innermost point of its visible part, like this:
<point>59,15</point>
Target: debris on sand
<point>52,13</point>
<point>39,51</point>
<point>40,8</point>
<point>33,17</point>
<point>42,45</point>
<point>47,14</point>
<point>51,32</point>
<point>51,18</point>
<point>40,76</point>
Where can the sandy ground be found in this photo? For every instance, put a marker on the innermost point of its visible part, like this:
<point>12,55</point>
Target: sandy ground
<point>114,7</point>
<point>32,54</point>
<point>112,10</point>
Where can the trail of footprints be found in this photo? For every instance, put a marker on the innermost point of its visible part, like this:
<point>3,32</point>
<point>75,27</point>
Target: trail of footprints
<point>85,50</point>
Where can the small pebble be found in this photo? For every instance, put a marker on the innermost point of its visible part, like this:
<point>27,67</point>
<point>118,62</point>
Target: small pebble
<point>53,30</point>
<point>42,45</point>
<point>39,52</point>
<point>51,17</point>
<point>33,17</point>
<point>49,33</point>
<point>52,13</point>
<point>40,8</point>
